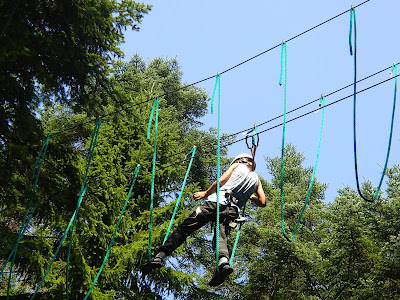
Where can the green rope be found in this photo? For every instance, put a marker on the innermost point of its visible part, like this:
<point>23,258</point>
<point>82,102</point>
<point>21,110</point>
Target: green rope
<point>155,108</point>
<point>394,68</point>
<point>283,69</point>
<point>9,17</point>
<point>115,232</point>
<point>81,194</point>
<point>90,156</point>
<point>29,212</point>
<point>283,55</point>
<point>237,239</point>
<point>193,151</point>
<point>217,81</point>
<point>30,209</point>
<point>322,103</point>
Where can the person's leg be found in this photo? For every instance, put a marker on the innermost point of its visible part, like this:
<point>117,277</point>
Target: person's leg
<point>197,219</point>
<point>224,269</point>
<point>227,215</point>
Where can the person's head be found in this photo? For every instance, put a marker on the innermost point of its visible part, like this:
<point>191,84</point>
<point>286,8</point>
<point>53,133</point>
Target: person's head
<point>246,159</point>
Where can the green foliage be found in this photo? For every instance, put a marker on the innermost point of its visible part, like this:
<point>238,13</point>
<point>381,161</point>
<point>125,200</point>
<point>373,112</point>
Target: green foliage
<point>121,145</point>
<point>345,250</point>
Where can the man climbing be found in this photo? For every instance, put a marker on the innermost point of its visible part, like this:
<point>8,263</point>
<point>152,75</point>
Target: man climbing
<point>238,184</point>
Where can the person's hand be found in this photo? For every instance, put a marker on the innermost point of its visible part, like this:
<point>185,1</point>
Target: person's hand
<point>199,195</point>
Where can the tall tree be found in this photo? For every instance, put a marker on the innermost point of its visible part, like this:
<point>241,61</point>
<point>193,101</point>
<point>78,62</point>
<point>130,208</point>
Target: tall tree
<point>121,145</point>
<point>50,52</point>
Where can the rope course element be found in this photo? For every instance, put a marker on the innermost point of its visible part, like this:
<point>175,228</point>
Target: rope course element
<point>224,145</point>
<point>217,82</point>
<point>193,151</point>
<point>225,71</point>
<point>73,218</point>
<point>155,108</point>
<point>394,68</point>
<point>115,232</point>
<point>311,102</point>
<point>322,104</point>
<point>29,212</point>
<point>315,110</point>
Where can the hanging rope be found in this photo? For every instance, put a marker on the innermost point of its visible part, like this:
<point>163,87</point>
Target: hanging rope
<point>283,69</point>
<point>322,104</point>
<point>193,151</point>
<point>237,238</point>
<point>217,82</point>
<point>72,220</point>
<point>394,68</point>
<point>29,212</point>
<point>81,194</point>
<point>155,108</point>
<point>9,17</point>
<point>89,160</point>
<point>115,232</point>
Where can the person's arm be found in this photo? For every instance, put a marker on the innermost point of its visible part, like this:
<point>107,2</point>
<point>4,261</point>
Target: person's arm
<point>222,180</point>
<point>259,199</point>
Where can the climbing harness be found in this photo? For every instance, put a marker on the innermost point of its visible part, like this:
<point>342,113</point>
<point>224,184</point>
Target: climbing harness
<point>29,212</point>
<point>217,82</point>
<point>240,220</point>
<point>394,68</point>
<point>115,231</point>
<point>193,151</point>
<point>154,109</point>
<point>322,104</point>
<point>73,218</point>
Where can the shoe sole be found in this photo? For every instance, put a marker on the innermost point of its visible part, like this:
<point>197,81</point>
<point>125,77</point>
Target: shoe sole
<point>219,277</point>
<point>147,267</point>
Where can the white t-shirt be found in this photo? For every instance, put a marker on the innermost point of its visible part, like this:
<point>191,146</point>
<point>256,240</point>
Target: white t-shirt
<point>242,182</point>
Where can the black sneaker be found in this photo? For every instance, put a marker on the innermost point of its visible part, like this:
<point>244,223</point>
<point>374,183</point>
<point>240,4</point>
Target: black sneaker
<point>155,263</point>
<point>219,276</point>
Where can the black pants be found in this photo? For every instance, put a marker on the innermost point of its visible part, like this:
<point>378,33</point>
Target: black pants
<point>197,219</point>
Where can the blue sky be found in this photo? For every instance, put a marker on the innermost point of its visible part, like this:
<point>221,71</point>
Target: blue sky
<point>211,36</point>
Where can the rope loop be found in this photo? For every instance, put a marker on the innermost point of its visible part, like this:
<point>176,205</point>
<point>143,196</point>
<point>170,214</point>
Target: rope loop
<point>322,103</point>
<point>394,68</point>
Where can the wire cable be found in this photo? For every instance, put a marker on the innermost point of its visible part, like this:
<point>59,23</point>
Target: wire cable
<point>225,145</point>
<point>166,93</point>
